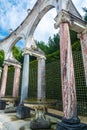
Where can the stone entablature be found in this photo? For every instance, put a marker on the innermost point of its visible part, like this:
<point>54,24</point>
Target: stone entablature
<point>75,23</point>
<point>15,64</point>
<point>34,52</point>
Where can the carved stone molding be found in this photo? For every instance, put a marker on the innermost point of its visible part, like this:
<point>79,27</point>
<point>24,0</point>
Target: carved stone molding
<point>15,64</point>
<point>33,52</point>
<point>76,24</point>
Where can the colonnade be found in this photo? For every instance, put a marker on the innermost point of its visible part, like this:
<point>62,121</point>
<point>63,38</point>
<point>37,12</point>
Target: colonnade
<point>70,118</point>
<point>16,81</point>
<point>25,77</point>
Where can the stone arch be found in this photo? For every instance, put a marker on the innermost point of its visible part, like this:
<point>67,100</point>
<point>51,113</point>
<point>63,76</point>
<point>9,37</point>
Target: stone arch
<point>9,54</point>
<point>39,17</point>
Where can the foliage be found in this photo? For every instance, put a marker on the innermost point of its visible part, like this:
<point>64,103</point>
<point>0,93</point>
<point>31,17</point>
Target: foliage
<point>73,36</point>
<point>76,46</point>
<point>42,46</point>
<point>52,57</point>
<point>1,58</point>
<point>85,16</point>
<point>52,46</point>
<point>17,54</point>
<point>53,43</point>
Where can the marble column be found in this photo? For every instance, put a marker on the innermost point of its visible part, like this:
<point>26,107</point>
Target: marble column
<point>67,74</point>
<point>70,119</point>
<point>41,79</point>
<point>83,39</point>
<point>16,81</point>
<point>4,81</point>
<point>25,78</point>
<point>0,72</point>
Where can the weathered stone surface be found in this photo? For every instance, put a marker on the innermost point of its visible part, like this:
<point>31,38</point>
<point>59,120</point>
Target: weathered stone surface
<point>16,82</point>
<point>41,79</point>
<point>71,124</point>
<point>25,78</point>
<point>10,108</point>
<point>4,81</point>
<point>22,112</point>
<point>83,39</point>
<point>40,124</point>
<point>67,74</point>
<point>2,104</point>
<point>0,72</point>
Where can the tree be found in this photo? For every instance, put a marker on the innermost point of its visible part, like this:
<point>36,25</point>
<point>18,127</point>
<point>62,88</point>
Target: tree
<point>52,46</point>
<point>17,54</point>
<point>53,43</point>
<point>85,16</point>
<point>42,46</point>
<point>73,36</point>
<point>1,58</point>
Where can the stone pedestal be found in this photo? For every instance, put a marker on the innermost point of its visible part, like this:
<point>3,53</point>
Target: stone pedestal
<point>71,124</point>
<point>16,82</point>
<point>22,112</point>
<point>40,122</point>
<point>4,80</point>
<point>2,104</point>
<point>41,79</point>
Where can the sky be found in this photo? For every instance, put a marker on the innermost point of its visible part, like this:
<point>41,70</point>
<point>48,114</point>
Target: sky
<point>13,12</point>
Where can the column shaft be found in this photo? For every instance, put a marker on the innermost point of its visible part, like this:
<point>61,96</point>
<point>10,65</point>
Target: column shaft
<point>16,82</point>
<point>4,81</point>
<point>83,40</point>
<point>0,72</point>
<point>25,78</point>
<point>41,79</point>
<point>67,73</point>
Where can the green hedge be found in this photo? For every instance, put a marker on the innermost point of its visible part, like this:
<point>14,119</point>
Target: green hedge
<point>53,79</point>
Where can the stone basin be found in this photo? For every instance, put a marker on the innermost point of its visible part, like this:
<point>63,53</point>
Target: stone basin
<point>40,107</point>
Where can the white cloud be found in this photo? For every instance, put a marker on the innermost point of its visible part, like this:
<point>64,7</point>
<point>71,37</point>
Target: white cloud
<point>79,4</point>
<point>13,12</point>
<point>45,29</point>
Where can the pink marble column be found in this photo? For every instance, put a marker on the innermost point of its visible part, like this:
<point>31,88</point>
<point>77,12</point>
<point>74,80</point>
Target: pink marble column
<point>83,39</point>
<point>67,74</point>
<point>4,81</point>
<point>16,82</point>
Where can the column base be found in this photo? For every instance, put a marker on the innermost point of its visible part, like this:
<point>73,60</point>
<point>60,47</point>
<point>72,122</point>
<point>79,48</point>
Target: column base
<point>40,123</point>
<point>22,112</point>
<point>71,124</point>
<point>2,104</point>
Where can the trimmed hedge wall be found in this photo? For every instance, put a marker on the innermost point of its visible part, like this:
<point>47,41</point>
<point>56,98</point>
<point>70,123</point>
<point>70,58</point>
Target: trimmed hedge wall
<point>53,80</point>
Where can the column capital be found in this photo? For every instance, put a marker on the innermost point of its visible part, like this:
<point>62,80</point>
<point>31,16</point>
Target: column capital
<point>76,24</point>
<point>25,51</point>
<point>41,57</point>
<point>85,31</point>
<point>62,17</point>
<point>33,52</point>
<point>79,35</point>
<point>15,64</point>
